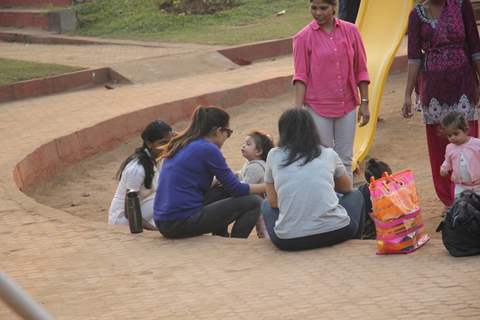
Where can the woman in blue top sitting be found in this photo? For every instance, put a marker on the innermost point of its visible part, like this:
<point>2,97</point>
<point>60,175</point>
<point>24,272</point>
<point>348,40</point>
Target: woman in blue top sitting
<point>191,161</point>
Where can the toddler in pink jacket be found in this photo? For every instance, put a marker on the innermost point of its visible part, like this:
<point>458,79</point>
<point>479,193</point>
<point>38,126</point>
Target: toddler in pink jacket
<point>462,156</point>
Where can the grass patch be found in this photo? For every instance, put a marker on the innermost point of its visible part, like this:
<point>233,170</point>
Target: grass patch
<point>15,70</point>
<point>253,20</point>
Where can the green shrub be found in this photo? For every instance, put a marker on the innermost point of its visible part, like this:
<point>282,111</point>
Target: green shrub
<point>196,6</point>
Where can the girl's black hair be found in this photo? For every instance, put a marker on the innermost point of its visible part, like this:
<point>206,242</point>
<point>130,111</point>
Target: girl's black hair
<point>263,142</point>
<point>455,120</point>
<point>156,130</point>
<point>203,121</point>
<point>376,168</point>
<point>298,135</point>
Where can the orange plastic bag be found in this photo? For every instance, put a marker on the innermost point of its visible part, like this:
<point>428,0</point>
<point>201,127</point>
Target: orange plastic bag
<point>396,213</point>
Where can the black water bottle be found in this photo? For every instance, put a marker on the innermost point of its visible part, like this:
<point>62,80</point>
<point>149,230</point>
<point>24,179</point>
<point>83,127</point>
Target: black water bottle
<point>134,213</point>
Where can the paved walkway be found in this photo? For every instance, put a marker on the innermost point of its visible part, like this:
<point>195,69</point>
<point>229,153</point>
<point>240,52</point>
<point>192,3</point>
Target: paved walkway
<point>137,63</point>
<point>141,62</point>
<point>80,269</point>
<point>92,55</point>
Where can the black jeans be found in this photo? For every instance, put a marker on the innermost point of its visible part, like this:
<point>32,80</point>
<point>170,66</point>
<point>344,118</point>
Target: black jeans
<point>215,217</point>
<point>354,204</point>
<point>216,194</point>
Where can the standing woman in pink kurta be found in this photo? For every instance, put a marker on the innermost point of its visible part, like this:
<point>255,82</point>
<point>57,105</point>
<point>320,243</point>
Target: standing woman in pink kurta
<point>330,70</point>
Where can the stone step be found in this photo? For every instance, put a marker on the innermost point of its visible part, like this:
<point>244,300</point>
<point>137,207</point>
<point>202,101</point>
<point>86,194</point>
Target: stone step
<point>58,21</point>
<point>24,18</point>
<point>35,3</point>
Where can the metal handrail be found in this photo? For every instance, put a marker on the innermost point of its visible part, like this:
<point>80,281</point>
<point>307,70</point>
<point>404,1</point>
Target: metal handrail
<point>20,301</point>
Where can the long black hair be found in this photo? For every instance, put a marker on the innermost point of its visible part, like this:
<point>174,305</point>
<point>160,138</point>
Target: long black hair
<point>156,130</point>
<point>203,121</point>
<point>298,135</point>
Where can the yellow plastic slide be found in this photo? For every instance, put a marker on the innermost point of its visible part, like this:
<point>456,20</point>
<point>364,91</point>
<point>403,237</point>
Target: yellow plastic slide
<point>382,24</point>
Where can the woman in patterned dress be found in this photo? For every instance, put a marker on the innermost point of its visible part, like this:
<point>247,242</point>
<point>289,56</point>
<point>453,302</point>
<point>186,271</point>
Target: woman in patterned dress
<point>443,63</point>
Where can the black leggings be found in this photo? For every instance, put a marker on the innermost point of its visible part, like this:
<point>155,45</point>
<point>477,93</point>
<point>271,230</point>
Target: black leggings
<point>215,217</point>
<point>354,204</point>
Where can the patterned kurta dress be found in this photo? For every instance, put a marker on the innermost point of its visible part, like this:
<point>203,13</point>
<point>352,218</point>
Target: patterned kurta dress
<point>445,48</point>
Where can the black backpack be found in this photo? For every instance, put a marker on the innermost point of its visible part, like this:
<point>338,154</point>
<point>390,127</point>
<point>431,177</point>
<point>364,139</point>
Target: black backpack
<point>461,226</point>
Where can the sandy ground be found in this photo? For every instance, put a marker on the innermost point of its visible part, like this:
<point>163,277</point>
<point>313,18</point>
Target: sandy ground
<point>86,189</point>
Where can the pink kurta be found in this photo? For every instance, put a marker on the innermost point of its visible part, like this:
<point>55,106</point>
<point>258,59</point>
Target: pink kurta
<point>331,65</point>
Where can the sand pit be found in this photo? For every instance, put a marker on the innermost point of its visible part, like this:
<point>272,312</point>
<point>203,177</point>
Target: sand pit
<point>86,189</point>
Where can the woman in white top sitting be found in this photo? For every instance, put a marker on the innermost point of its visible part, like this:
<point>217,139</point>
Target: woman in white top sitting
<point>302,209</point>
<point>139,173</point>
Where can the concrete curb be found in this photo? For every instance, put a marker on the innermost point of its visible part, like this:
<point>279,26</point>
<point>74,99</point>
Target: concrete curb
<point>39,39</point>
<point>57,84</point>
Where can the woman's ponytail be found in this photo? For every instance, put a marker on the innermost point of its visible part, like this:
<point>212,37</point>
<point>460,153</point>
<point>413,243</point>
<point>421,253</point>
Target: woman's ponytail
<point>154,131</point>
<point>203,121</point>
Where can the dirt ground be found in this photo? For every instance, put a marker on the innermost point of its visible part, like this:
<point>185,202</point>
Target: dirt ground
<point>86,189</point>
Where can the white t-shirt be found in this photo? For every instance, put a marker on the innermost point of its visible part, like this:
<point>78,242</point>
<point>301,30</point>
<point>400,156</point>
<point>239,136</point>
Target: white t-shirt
<point>307,199</point>
<point>133,176</point>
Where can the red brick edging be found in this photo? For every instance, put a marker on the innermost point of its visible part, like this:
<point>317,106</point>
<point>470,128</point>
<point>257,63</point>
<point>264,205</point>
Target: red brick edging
<point>49,159</point>
<point>246,54</point>
<point>20,19</point>
<point>35,3</point>
<point>56,84</point>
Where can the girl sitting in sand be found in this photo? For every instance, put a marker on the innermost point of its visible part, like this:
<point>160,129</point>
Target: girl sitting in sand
<point>139,173</point>
<point>373,168</point>
<point>255,149</point>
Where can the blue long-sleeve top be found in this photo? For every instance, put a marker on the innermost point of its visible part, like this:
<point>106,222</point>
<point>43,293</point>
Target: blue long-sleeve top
<point>187,176</point>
